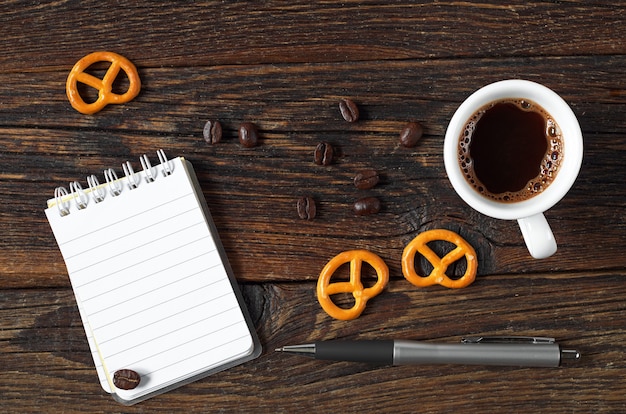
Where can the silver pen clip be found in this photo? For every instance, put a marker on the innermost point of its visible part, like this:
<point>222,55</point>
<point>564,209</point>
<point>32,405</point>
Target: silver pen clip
<point>507,340</point>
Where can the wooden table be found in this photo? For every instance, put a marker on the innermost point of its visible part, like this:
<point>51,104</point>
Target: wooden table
<point>285,66</point>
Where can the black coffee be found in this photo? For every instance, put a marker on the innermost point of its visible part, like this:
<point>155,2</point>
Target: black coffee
<point>510,150</point>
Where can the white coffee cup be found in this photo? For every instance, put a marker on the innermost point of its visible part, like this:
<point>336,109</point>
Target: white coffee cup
<point>529,213</point>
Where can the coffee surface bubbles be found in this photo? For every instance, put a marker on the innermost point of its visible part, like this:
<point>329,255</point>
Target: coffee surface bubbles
<point>510,150</point>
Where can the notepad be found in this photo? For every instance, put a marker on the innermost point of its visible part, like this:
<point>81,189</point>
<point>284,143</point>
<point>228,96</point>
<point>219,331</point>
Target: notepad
<point>152,282</point>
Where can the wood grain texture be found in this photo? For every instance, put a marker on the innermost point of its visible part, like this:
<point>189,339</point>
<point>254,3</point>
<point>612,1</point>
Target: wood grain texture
<point>46,328</point>
<point>285,67</point>
<point>216,33</point>
<point>243,185</point>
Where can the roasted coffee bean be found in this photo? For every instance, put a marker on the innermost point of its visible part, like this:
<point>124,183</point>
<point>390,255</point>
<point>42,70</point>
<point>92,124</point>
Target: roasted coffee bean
<point>349,110</point>
<point>248,135</point>
<point>306,208</point>
<point>324,153</point>
<point>126,379</point>
<point>411,134</point>
<point>366,179</point>
<point>212,132</point>
<point>366,206</point>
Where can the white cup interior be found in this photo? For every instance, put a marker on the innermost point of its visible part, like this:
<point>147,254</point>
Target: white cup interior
<point>571,158</point>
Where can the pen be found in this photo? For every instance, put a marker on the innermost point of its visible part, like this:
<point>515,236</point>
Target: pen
<point>480,350</point>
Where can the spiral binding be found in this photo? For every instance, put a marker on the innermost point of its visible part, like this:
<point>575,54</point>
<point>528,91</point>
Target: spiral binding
<point>114,185</point>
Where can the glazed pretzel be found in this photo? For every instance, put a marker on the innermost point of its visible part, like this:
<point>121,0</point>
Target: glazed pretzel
<point>104,85</point>
<point>440,264</point>
<point>361,295</point>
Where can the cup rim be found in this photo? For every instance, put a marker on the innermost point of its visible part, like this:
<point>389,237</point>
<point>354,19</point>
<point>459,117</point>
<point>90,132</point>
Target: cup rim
<point>572,152</point>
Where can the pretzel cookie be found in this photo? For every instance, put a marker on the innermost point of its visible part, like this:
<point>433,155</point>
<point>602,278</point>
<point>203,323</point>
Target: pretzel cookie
<point>440,264</point>
<point>361,295</point>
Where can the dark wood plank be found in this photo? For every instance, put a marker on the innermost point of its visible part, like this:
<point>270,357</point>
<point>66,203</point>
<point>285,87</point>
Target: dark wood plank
<point>252,192</point>
<point>285,67</point>
<point>261,226</point>
<point>46,344</point>
<point>300,98</point>
<point>216,33</point>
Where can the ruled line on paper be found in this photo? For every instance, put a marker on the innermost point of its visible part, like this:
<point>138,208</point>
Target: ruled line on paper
<point>177,280</point>
<point>168,315</point>
<point>144,261</point>
<point>205,351</point>
<point>137,248</point>
<point>114,240</point>
<point>164,349</point>
<point>126,218</point>
<point>151,284</point>
<point>132,281</point>
<point>104,383</point>
<point>195,339</point>
<point>195,322</point>
<point>127,277</point>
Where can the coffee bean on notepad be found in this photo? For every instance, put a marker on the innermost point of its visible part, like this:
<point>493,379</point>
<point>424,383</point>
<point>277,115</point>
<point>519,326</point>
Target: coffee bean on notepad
<point>366,206</point>
<point>324,153</point>
<point>366,179</point>
<point>411,134</point>
<point>212,132</point>
<point>306,208</point>
<point>248,135</point>
<point>349,110</point>
<point>126,379</point>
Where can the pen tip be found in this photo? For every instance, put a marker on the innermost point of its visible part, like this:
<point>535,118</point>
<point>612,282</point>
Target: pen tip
<point>307,349</point>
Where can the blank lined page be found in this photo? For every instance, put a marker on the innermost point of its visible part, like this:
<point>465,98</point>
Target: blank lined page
<point>151,284</point>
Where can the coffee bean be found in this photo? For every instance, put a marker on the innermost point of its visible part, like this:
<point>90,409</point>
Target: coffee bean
<point>126,379</point>
<point>306,208</point>
<point>411,134</point>
<point>349,110</point>
<point>366,206</point>
<point>248,135</point>
<point>212,132</point>
<point>324,153</point>
<point>366,179</point>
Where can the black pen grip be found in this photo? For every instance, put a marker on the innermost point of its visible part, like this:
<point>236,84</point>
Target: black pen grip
<point>374,352</point>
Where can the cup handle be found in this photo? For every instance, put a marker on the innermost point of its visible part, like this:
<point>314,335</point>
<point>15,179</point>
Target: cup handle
<point>538,236</point>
